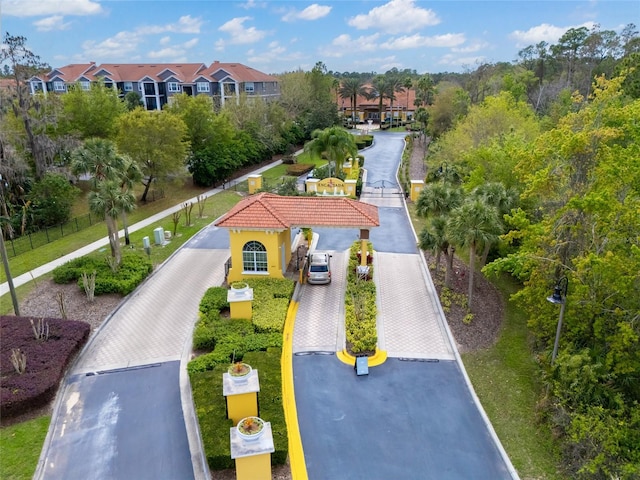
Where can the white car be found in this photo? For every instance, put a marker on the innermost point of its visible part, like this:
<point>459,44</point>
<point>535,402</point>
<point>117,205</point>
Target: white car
<point>319,272</point>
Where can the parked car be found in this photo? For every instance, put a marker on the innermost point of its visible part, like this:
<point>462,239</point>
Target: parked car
<point>319,272</point>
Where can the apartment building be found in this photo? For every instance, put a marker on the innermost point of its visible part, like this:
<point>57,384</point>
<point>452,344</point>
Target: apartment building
<point>157,83</point>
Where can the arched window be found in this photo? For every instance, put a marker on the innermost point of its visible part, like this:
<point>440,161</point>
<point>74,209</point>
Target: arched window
<point>254,257</point>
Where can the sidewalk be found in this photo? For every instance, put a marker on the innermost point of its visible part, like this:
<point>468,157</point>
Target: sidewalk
<point>44,269</point>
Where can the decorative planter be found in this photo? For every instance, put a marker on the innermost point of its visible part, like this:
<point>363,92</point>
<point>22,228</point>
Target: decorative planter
<point>250,428</point>
<point>239,287</point>
<point>239,372</point>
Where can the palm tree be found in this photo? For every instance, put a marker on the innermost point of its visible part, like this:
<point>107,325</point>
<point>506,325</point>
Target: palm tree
<point>335,143</point>
<point>408,83</point>
<point>99,158</point>
<point>473,223</point>
<point>381,90</point>
<point>352,88</point>
<point>436,201</point>
<point>131,174</point>
<point>109,200</point>
<point>503,199</point>
<point>425,90</point>
<point>395,86</point>
<point>434,237</point>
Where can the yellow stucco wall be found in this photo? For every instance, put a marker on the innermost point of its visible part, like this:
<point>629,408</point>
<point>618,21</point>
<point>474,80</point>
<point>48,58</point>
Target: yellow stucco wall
<point>274,242</point>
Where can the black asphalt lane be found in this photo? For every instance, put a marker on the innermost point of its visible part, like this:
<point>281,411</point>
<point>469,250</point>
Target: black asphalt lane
<point>410,420</point>
<point>210,237</point>
<point>394,235</point>
<point>122,424</point>
<point>381,160</point>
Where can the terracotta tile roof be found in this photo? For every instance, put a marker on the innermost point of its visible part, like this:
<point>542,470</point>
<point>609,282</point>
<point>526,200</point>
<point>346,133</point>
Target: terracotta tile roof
<point>133,72</point>
<point>7,83</point>
<point>70,73</point>
<point>270,211</point>
<point>240,72</point>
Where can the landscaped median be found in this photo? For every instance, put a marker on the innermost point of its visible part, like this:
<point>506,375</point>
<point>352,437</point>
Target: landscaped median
<point>220,341</point>
<point>361,312</point>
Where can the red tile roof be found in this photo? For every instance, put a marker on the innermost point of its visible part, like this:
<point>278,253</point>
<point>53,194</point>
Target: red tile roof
<point>240,72</point>
<point>133,72</point>
<point>269,211</point>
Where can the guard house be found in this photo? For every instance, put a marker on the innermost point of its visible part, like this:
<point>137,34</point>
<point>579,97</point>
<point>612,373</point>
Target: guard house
<point>260,229</point>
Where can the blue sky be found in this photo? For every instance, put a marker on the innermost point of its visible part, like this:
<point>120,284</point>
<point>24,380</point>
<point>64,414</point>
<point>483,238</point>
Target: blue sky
<point>280,36</point>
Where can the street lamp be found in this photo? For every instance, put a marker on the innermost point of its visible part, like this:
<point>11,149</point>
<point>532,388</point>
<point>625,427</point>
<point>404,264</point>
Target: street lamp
<point>559,297</point>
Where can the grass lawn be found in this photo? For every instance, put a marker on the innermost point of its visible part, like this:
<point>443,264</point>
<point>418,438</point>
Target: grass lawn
<point>505,379</point>
<point>21,446</point>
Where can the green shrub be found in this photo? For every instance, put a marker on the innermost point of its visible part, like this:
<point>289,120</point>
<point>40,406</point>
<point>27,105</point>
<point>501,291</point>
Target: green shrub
<point>298,169</point>
<point>273,296</point>
<point>211,408</point>
<point>132,271</point>
<point>257,342</point>
<point>212,415</point>
<point>270,396</point>
<point>214,300</point>
<point>360,306</point>
<point>204,335</point>
<point>72,270</point>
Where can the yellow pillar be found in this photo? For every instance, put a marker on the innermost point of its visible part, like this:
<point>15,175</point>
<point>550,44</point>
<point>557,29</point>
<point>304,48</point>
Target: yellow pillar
<point>241,397</point>
<point>416,187</point>
<point>256,467</point>
<point>363,252</point>
<point>350,187</point>
<point>240,301</point>
<point>253,457</point>
<point>255,183</point>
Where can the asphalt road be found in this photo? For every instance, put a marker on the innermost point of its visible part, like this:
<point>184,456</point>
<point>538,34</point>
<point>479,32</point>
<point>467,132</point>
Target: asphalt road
<point>410,420</point>
<point>109,415</point>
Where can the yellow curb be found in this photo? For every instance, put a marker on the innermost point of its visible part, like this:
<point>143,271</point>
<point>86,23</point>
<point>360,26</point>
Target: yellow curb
<point>296,453</point>
<point>376,359</point>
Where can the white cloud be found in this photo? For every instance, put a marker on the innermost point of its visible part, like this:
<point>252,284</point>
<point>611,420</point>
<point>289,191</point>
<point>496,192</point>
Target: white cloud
<point>125,43</point>
<point>118,46</point>
<point>252,4</point>
<point>470,48</point>
<point>312,12</point>
<point>185,24</point>
<point>543,33</point>
<point>344,42</point>
<point>397,16</point>
<point>174,53</point>
<point>56,22</point>
<point>239,34</point>
<point>419,41</point>
<point>22,8</point>
<point>275,53</point>
<point>455,61</point>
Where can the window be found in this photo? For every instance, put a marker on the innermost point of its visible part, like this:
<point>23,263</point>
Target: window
<point>58,86</point>
<point>128,86</point>
<point>249,87</point>
<point>174,87</point>
<point>254,257</point>
<point>85,85</point>
<point>203,86</point>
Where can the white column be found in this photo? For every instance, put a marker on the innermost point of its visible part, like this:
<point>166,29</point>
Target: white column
<point>155,88</point>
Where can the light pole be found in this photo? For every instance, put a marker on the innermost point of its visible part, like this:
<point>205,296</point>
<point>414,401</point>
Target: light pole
<point>559,297</point>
